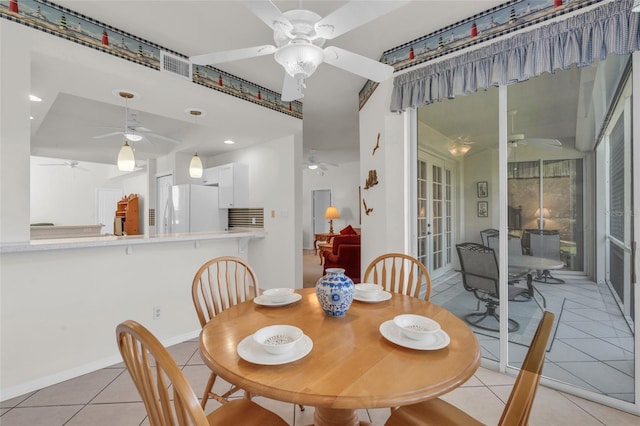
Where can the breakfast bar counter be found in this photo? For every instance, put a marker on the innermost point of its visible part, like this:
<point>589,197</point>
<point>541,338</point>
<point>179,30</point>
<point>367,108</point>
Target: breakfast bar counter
<point>131,240</point>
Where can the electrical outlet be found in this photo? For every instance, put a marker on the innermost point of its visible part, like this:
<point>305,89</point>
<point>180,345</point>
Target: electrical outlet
<point>157,312</point>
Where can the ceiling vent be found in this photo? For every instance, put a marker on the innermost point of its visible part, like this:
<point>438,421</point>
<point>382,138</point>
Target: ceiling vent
<point>175,65</point>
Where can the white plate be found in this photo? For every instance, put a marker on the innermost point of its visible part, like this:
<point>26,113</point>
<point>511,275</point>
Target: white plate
<point>251,351</point>
<point>392,333</point>
<point>381,297</point>
<point>262,300</point>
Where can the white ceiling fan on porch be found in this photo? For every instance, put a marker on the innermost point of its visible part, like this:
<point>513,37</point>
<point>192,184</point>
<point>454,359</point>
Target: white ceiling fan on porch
<point>515,139</point>
<point>299,35</point>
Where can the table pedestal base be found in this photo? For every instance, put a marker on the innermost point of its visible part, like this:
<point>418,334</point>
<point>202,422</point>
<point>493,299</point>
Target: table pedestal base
<point>336,417</point>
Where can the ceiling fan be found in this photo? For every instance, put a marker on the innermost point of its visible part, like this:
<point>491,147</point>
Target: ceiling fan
<point>299,35</point>
<point>519,138</point>
<point>67,163</point>
<point>460,146</point>
<point>133,129</point>
<point>314,164</point>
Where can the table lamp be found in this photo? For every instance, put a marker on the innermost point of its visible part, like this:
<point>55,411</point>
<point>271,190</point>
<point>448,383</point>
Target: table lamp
<point>545,214</point>
<point>331,213</point>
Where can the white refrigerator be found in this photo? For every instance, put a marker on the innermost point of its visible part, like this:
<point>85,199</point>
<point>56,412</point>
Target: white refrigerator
<point>194,208</point>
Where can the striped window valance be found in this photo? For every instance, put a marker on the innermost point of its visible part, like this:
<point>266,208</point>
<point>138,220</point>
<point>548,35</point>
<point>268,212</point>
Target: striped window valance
<point>579,40</point>
<point>550,168</point>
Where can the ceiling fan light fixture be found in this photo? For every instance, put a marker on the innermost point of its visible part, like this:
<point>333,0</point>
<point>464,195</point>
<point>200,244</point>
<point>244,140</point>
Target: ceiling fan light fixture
<point>459,150</point>
<point>228,142</point>
<point>195,167</point>
<point>126,159</point>
<point>133,137</point>
<point>312,166</point>
<point>34,98</point>
<point>299,58</point>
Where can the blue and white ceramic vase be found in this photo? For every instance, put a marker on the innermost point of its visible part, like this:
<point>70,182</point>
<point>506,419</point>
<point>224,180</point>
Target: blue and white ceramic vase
<point>335,292</point>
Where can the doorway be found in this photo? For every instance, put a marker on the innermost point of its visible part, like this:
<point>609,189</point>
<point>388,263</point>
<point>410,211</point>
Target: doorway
<point>163,189</point>
<point>435,214</point>
<point>321,199</point>
<point>107,204</point>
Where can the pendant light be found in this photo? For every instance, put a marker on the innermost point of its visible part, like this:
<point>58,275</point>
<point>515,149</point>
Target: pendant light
<point>126,158</point>
<point>195,166</point>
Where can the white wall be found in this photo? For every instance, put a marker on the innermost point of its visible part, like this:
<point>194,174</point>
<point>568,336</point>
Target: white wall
<point>58,319</point>
<point>480,167</point>
<point>275,184</point>
<point>67,196</point>
<point>15,132</point>
<point>343,182</point>
<point>385,229</point>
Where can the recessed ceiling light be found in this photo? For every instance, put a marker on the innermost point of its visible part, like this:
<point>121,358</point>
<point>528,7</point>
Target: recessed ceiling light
<point>31,117</point>
<point>34,98</point>
<point>229,142</point>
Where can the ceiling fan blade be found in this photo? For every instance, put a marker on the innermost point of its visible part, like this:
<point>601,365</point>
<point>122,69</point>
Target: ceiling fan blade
<point>164,138</point>
<point>232,55</point>
<point>352,15</point>
<point>553,143</point>
<point>292,88</point>
<point>267,12</point>
<point>108,135</point>
<point>357,64</point>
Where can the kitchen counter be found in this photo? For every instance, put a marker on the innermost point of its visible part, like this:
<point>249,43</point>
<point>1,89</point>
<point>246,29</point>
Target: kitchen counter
<point>127,241</point>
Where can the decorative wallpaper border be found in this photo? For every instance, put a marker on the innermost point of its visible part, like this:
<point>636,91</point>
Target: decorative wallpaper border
<point>495,22</point>
<point>51,18</point>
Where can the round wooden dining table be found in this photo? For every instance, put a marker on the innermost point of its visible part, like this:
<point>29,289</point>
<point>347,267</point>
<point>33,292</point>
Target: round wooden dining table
<point>351,365</point>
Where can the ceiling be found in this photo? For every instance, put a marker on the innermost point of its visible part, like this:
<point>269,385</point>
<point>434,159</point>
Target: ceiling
<point>79,104</point>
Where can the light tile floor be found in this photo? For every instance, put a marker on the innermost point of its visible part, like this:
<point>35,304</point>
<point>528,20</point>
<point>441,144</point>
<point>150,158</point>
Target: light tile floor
<point>593,344</point>
<point>108,398</point>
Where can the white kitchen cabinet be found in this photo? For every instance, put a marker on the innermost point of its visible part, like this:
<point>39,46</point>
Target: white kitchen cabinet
<point>211,176</point>
<point>233,185</point>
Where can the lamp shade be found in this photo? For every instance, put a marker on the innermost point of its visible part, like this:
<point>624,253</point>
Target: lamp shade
<point>195,167</point>
<point>545,212</point>
<point>126,159</point>
<point>331,213</point>
<point>636,6</point>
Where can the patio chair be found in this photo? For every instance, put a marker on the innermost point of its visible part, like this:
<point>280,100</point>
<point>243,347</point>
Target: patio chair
<point>166,393</point>
<point>514,246</point>
<point>517,409</point>
<point>486,233</point>
<point>480,275</point>
<point>545,243</point>
<point>399,273</point>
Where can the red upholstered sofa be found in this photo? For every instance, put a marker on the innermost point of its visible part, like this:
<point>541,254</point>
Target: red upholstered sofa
<point>345,254</point>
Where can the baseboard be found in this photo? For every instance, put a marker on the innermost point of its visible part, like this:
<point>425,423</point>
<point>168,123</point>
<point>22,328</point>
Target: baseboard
<point>72,373</point>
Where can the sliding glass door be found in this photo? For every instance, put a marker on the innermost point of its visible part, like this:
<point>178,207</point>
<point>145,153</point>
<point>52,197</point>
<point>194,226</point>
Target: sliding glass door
<point>559,191</point>
<point>618,152</point>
